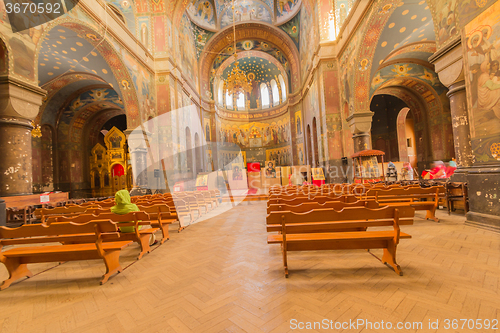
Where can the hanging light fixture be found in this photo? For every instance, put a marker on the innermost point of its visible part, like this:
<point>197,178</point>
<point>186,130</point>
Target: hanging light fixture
<point>237,81</point>
<point>36,132</point>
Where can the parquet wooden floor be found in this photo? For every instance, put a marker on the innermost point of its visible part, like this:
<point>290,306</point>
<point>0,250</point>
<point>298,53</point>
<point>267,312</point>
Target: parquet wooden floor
<point>220,275</point>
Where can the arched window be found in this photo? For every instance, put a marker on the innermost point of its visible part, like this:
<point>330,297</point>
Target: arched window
<point>221,93</point>
<point>276,93</point>
<point>283,87</point>
<point>229,100</point>
<point>240,102</point>
<point>264,93</point>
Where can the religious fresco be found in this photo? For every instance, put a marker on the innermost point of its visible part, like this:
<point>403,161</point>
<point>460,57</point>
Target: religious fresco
<point>202,12</point>
<point>100,98</point>
<point>143,31</point>
<point>143,82</point>
<point>285,9</point>
<point>201,37</point>
<point>292,28</point>
<point>255,134</point>
<point>301,153</point>
<point>407,70</point>
<point>299,123</point>
<point>246,10</point>
<point>186,50</point>
<point>207,128</point>
<point>309,37</point>
<point>280,156</point>
<point>127,10</point>
<point>482,49</point>
<point>451,15</point>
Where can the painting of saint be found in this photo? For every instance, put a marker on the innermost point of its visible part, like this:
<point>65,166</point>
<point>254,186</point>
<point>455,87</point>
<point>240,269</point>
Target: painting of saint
<point>483,82</point>
<point>270,169</point>
<point>237,174</point>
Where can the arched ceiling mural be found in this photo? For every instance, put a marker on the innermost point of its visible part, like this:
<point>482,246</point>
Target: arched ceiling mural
<point>249,37</point>
<point>66,51</point>
<point>257,68</point>
<point>217,14</point>
<point>409,23</point>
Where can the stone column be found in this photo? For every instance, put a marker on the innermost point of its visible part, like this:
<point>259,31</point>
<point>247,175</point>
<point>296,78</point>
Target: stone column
<point>483,179</point>
<point>138,155</point>
<point>450,68</point>
<point>19,104</point>
<point>360,124</point>
<point>461,130</point>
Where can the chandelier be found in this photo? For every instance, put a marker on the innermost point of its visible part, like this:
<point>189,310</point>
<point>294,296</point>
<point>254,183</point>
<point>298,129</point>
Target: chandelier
<point>237,81</point>
<point>36,132</point>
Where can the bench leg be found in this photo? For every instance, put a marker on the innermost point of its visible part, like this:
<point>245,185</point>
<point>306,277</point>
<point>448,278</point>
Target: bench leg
<point>431,214</point>
<point>164,232</point>
<point>16,271</point>
<point>389,258</point>
<point>144,243</point>
<point>285,261</point>
<point>111,260</point>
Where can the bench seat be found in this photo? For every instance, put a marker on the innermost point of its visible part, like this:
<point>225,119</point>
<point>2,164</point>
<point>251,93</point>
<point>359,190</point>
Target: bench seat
<point>34,254</point>
<point>334,236</point>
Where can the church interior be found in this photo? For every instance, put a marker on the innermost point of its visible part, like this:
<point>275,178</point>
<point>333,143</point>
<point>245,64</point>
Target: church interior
<point>216,109</point>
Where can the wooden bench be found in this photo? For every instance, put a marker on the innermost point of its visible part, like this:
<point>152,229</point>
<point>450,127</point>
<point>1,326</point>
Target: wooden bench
<point>456,192</point>
<point>16,259</point>
<point>332,230</point>
<point>320,199</point>
<point>132,219</point>
<point>161,213</point>
<point>308,206</point>
<point>409,196</point>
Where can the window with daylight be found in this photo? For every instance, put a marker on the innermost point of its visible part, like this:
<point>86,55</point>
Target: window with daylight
<point>276,93</point>
<point>283,87</point>
<point>264,92</point>
<point>229,100</point>
<point>221,93</point>
<point>240,102</point>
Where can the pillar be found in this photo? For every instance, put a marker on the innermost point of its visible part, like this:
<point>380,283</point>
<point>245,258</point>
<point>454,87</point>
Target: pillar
<point>461,130</point>
<point>139,160</point>
<point>19,104</point>
<point>450,69</point>
<point>483,179</point>
<point>360,124</point>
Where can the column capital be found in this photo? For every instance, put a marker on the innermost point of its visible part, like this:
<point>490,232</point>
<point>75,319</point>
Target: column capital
<point>360,122</point>
<point>448,63</point>
<point>19,99</point>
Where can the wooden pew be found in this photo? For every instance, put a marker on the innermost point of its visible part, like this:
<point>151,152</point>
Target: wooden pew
<point>17,259</point>
<point>409,196</point>
<point>326,230</point>
<point>308,206</point>
<point>132,219</point>
<point>43,213</point>
<point>320,199</point>
<point>160,213</point>
<point>326,219</point>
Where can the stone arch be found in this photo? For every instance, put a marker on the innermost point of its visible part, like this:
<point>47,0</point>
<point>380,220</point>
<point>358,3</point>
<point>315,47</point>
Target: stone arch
<point>245,31</point>
<point>105,48</point>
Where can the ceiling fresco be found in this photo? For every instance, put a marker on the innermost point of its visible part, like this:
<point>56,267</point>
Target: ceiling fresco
<point>257,68</point>
<point>246,10</point>
<point>286,9</point>
<point>66,51</point>
<point>202,12</point>
<point>58,98</point>
<point>292,28</point>
<point>409,23</point>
